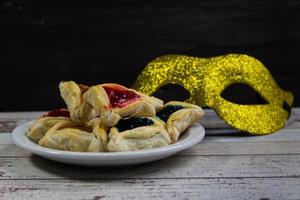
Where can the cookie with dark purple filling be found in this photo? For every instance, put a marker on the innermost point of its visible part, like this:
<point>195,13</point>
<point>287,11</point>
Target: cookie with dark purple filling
<point>178,116</point>
<point>137,133</point>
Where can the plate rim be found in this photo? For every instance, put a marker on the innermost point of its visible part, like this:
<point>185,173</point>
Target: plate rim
<point>19,135</point>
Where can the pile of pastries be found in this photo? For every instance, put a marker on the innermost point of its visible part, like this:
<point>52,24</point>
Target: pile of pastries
<point>110,118</point>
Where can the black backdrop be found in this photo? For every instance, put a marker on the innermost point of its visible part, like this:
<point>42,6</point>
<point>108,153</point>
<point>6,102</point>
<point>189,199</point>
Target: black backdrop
<point>44,42</point>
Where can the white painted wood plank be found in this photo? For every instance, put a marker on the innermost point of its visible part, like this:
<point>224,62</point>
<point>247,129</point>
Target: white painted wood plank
<point>201,149</point>
<point>173,167</point>
<point>243,148</point>
<point>211,120</point>
<point>282,135</point>
<point>8,125</point>
<point>5,138</point>
<point>179,177</point>
<point>136,189</point>
<point>11,150</point>
<point>21,115</point>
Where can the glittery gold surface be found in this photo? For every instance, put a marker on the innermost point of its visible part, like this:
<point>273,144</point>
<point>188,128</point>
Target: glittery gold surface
<point>206,78</point>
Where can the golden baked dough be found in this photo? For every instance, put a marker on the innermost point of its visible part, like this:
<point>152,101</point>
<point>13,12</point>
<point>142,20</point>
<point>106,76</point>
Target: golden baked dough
<point>133,120</point>
<point>98,99</point>
<point>71,139</point>
<point>100,131</point>
<point>178,116</point>
<point>109,101</point>
<point>137,134</point>
<point>125,102</point>
<point>80,110</point>
<point>43,124</point>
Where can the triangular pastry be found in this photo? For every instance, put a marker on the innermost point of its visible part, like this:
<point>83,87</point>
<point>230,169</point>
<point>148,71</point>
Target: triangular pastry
<point>80,139</point>
<point>47,121</point>
<point>72,93</point>
<point>178,116</point>
<point>137,133</point>
<point>110,101</point>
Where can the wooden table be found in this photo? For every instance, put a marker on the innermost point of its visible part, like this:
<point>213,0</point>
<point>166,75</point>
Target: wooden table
<point>226,165</point>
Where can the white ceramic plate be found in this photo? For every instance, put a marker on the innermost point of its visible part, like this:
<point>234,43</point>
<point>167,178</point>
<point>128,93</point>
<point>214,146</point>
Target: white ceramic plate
<point>191,137</point>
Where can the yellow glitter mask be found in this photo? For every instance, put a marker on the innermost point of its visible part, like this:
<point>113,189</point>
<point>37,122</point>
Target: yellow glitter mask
<point>206,78</point>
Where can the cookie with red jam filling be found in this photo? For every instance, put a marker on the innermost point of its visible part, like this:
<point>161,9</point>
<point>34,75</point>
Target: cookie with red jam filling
<point>110,101</point>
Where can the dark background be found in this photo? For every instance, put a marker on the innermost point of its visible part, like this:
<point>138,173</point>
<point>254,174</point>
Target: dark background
<point>44,42</point>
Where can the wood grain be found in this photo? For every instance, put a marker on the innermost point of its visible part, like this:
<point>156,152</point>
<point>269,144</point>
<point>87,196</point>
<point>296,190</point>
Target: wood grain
<point>174,167</point>
<point>202,149</point>
<point>225,165</point>
<point>136,189</point>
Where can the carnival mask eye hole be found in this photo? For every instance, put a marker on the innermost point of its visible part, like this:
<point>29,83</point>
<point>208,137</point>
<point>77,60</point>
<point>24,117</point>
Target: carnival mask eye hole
<point>172,92</point>
<point>240,93</point>
<point>286,107</point>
